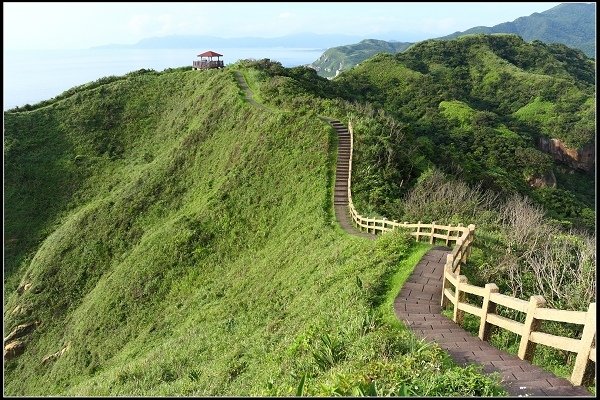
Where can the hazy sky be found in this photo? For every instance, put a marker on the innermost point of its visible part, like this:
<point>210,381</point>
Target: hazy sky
<point>82,25</point>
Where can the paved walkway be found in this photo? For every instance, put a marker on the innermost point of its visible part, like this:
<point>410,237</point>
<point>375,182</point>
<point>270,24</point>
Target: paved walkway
<point>340,194</point>
<point>418,306</point>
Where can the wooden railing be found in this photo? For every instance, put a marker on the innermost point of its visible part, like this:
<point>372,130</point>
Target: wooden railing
<point>535,313</point>
<point>461,236</point>
<point>207,64</point>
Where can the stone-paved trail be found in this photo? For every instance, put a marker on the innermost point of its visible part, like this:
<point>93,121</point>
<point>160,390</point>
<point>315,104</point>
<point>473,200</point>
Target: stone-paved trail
<point>418,306</point>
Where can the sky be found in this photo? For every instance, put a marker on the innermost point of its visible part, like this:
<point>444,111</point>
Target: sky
<point>41,26</point>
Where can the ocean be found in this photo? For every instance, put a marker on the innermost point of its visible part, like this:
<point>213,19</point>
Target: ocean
<point>32,76</point>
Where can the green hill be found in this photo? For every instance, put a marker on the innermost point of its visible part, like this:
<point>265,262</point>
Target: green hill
<point>478,107</point>
<point>169,238</point>
<point>341,58</point>
<point>572,24</point>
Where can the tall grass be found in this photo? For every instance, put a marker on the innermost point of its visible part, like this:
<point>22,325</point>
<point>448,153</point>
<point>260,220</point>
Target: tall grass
<point>181,242</point>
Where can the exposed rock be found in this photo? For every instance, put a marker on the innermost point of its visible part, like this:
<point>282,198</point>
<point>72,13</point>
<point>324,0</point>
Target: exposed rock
<point>13,349</point>
<point>21,330</point>
<point>54,356</point>
<point>582,159</point>
<point>23,287</point>
<point>541,181</point>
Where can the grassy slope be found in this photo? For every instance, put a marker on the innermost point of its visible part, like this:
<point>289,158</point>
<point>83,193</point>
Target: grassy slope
<point>182,242</point>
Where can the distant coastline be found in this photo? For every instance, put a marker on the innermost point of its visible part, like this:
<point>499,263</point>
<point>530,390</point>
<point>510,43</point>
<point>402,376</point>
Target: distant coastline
<point>302,40</point>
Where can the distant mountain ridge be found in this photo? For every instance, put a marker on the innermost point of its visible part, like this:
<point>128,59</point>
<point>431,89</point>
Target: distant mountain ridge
<point>300,40</point>
<point>571,24</point>
<point>343,57</point>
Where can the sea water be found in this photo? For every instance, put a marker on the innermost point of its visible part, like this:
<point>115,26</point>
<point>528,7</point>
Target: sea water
<point>32,76</point>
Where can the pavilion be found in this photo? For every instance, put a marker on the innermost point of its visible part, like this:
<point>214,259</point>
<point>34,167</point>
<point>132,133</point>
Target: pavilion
<point>207,60</point>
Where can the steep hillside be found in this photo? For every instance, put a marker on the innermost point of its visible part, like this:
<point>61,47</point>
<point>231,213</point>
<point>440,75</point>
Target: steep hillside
<point>519,245</point>
<point>481,107</point>
<point>165,237</point>
<point>571,24</point>
<point>429,120</point>
<point>341,58</point>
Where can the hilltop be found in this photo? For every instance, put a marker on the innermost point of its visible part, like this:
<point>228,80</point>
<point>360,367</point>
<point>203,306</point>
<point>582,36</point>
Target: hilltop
<point>572,24</point>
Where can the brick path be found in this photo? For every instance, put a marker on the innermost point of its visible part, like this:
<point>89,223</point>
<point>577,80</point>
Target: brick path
<point>418,306</point>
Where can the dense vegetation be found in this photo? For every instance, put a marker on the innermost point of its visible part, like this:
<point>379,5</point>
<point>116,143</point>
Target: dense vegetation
<point>476,108</point>
<point>571,24</point>
<point>176,240</point>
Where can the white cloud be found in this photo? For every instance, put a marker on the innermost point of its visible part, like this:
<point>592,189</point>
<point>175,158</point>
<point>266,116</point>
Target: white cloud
<point>144,25</point>
<point>285,15</point>
<point>438,25</point>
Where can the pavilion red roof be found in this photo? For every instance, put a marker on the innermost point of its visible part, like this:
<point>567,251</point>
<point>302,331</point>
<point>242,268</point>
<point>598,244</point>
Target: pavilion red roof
<point>210,54</point>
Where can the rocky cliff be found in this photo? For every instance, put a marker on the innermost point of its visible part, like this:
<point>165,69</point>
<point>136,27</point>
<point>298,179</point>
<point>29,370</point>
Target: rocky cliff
<point>582,158</point>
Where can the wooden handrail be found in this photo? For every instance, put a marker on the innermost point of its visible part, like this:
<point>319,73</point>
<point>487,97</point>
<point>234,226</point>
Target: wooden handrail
<point>529,331</point>
<point>533,309</point>
<point>378,226</point>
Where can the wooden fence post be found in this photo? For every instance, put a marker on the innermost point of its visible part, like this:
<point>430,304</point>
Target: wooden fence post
<point>587,337</point>
<point>459,255</point>
<point>432,232</point>
<point>471,239</point>
<point>418,230</point>
<point>458,297</point>
<point>383,225</point>
<point>447,270</point>
<point>448,234</point>
<point>526,348</point>
<point>489,307</point>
